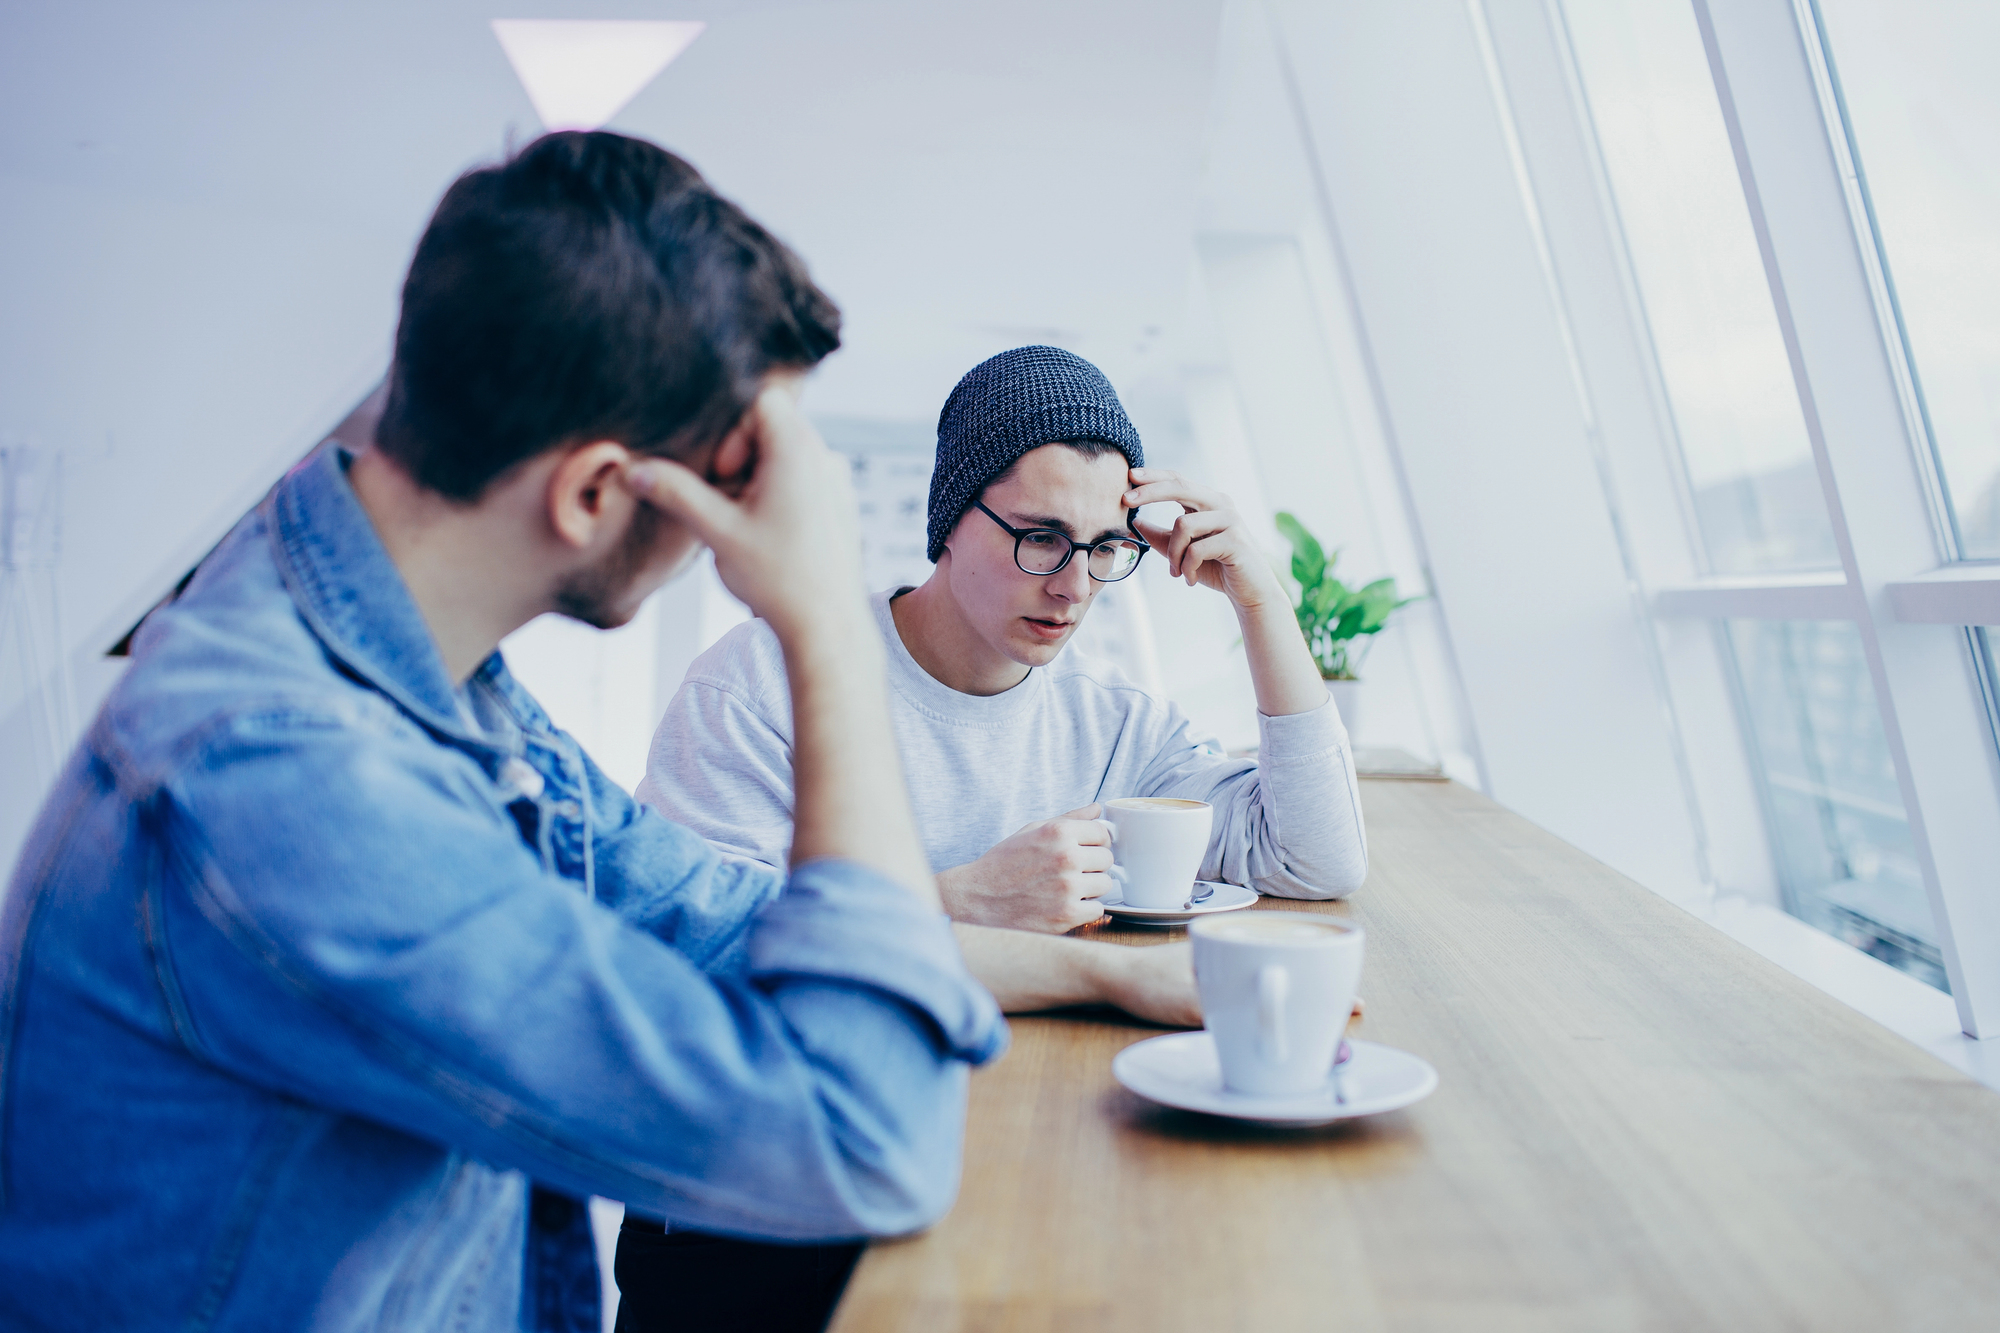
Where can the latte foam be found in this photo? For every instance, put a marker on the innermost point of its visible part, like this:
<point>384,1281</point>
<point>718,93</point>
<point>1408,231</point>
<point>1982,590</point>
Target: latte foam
<point>1271,928</point>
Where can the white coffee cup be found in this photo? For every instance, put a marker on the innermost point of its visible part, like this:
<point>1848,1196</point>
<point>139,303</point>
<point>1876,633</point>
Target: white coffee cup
<point>1159,843</point>
<point>1276,991</point>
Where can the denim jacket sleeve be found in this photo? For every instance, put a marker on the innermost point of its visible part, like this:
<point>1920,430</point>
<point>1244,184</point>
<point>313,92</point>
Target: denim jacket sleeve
<point>666,879</point>
<point>351,919</point>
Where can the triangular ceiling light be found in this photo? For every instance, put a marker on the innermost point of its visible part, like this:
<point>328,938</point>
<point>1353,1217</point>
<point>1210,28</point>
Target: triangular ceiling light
<point>580,73</point>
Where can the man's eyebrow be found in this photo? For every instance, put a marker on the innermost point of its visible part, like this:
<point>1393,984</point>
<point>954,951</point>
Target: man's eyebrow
<point>1062,526</point>
<point>1044,521</point>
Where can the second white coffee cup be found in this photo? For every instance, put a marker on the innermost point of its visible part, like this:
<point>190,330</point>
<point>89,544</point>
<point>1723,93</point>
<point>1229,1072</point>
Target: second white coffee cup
<point>1159,843</point>
<point>1276,991</point>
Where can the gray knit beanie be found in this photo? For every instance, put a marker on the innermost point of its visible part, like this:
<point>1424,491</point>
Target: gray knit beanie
<point>1009,404</point>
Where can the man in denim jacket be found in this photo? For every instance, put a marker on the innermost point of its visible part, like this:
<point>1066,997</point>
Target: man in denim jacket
<point>333,974</point>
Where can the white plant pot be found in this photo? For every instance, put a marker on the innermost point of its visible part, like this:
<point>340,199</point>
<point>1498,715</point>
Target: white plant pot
<point>1346,696</point>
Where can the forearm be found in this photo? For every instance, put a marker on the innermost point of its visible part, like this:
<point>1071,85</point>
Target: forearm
<point>1297,826</point>
<point>1281,667</point>
<point>851,800</point>
<point>1029,972</point>
<point>1026,971</point>
<point>598,1059</point>
<point>957,895</point>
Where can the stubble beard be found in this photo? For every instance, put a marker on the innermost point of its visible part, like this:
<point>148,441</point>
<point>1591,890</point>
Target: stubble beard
<point>597,596</point>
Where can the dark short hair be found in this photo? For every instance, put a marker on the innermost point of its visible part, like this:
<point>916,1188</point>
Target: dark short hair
<point>591,287</point>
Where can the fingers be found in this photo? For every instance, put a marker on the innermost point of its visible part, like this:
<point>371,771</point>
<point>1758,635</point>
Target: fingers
<point>780,425</point>
<point>790,547</point>
<point>1190,529</point>
<point>734,461</point>
<point>1156,536</point>
<point>1194,539</point>
<point>1078,911</point>
<point>1087,912</point>
<point>1159,486</point>
<point>1090,811</point>
<point>1083,832</point>
<point>771,448</point>
<point>1093,884</point>
<point>1092,860</point>
<point>676,491</point>
<point>1217,549</point>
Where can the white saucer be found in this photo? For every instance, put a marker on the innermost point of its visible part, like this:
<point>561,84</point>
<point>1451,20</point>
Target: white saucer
<point>1181,1070</point>
<point>1227,898</point>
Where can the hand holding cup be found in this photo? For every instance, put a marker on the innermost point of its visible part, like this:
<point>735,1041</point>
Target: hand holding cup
<point>1047,876</point>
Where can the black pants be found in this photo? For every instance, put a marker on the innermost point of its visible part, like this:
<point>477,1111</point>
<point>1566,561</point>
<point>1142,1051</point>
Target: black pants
<point>689,1282</point>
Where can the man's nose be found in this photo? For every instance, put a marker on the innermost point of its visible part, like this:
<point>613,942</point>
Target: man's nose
<point>1072,582</point>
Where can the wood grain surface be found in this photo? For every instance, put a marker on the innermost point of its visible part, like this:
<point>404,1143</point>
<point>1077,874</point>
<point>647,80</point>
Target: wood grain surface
<point>1640,1124</point>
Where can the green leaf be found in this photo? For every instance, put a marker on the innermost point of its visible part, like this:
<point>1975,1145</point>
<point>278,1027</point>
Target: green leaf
<point>1350,621</point>
<point>1309,562</point>
<point>1330,614</point>
<point>1379,599</point>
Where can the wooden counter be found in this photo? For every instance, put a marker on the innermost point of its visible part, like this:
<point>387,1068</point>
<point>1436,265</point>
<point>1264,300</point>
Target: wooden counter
<point>1640,1124</point>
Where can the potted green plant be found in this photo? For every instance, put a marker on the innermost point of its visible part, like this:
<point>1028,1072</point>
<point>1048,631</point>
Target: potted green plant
<point>1339,622</point>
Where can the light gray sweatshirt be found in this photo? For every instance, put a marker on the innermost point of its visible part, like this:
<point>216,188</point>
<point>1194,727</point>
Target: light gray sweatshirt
<point>1072,733</point>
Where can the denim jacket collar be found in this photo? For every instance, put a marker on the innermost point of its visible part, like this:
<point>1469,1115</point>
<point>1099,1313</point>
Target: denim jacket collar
<point>354,597</point>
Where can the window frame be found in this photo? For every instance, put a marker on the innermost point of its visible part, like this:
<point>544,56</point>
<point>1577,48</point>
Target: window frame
<point>1899,581</point>
<point>1481,242</point>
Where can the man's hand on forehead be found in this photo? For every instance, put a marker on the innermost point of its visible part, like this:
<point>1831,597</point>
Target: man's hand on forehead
<point>788,543</point>
<point>733,461</point>
<point>1208,544</point>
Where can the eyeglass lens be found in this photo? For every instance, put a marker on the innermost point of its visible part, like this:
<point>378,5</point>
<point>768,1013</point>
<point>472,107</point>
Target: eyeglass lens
<point>1045,552</point>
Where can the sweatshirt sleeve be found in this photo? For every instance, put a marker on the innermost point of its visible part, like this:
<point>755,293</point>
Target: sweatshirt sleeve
<point>721,759</point>
<point>1287,824</point>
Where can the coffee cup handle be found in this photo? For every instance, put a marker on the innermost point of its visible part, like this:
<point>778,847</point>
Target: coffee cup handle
<point>1273,984</point>
<point>1117,872</point>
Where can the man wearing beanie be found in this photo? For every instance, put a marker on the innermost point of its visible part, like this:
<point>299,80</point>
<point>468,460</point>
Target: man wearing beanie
<point>1011,745</point>
<point>1009,742</point>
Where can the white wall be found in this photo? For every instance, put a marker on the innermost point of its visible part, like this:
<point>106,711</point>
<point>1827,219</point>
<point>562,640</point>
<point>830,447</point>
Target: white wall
<point>1480,396</point>
<point>208,208</point>
<point>1284,397</point>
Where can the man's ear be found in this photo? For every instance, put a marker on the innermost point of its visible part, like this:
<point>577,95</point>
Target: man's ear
<point>584,494</point>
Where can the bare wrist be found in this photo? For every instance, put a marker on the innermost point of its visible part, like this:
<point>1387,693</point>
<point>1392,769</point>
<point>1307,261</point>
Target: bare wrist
<point>951,886</point>
<point>835,622</point>
<point>1103,969</point>
<point>1263,604</point>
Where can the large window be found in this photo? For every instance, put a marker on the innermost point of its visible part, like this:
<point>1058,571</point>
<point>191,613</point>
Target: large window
<point>1811,243</point>
<point>1839,838</point>
<point>1752,486</point>
<point>1923,107</point>
<point>1839,834</point>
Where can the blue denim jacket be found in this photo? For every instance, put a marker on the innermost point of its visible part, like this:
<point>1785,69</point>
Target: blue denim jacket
<point>303,979</point>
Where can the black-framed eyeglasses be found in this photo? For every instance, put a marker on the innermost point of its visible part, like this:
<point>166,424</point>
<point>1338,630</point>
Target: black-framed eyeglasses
<point>1045,551</point>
